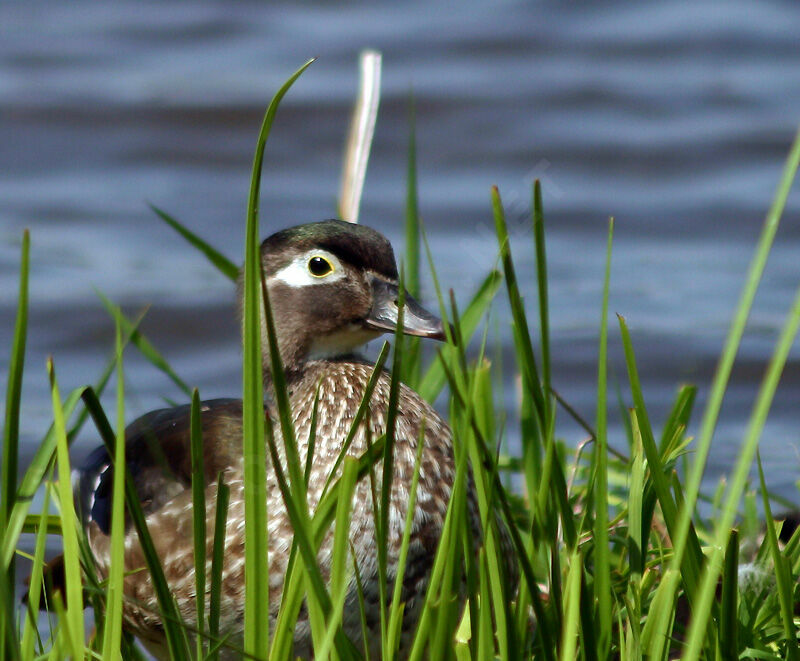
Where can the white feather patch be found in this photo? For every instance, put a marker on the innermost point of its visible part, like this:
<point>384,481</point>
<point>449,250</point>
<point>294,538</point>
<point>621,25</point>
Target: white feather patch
<point>296,273</point>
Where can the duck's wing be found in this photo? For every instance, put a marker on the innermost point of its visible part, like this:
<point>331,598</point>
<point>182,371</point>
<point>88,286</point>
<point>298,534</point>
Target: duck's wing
<point>158,456</point>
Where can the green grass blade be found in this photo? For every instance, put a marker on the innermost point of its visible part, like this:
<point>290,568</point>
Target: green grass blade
<point>728,623</point>
<point>434,378</point>
<point>256,629</point>
<point>143,344</point>
<point>572,600</point>
<point>198,516</point>
<point>542,617</point>
<point>412,363</point>
<point>9,647</point>
<point>69,522</point>
<point>170,618</point>
<point>690,568</point>
<point>361,412</point>
<point>218,561</point>
<point>105,375</point>
<point>732,342</point>
<point>697,631</point>
<point>602,579</point>
<point>223,264</point>
<point>497,590</point>
<point>339,579</point>
<point>37,469</point>
<point>528,362</point>
<point>783,575</point>
<point>382,529</point>
<point>10,462</point>
<point>637,539</point>
<point>30,634</point>
<point>658,625</point>
<point>678,419</point>
<point>112,626</point>
<point>396,610</point>
<point>412,208</point>
<point>541,280</point>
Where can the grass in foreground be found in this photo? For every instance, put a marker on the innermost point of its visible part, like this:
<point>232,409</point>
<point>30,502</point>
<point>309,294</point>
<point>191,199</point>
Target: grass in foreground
<point>613,555</point>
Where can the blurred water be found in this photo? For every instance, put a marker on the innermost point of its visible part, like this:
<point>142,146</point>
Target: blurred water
<point>675,120</point>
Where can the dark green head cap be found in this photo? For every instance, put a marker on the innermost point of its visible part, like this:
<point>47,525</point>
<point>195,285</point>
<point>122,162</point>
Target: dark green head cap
<point>356,244</point>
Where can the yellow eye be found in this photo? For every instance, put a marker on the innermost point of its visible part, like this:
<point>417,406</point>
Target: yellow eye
<point>319,267</point>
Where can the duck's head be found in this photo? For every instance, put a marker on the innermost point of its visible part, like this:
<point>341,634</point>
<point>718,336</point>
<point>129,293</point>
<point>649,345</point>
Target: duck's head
<point>333,286</point>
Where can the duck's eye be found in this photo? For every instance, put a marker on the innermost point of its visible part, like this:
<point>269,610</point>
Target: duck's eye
<point>319,267</point>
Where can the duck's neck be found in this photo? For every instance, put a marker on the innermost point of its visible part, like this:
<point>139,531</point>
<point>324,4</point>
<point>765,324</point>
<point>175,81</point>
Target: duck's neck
<point>298,373</point>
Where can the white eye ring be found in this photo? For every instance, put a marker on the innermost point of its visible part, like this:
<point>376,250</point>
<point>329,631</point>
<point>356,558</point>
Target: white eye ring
<point>297,273</point>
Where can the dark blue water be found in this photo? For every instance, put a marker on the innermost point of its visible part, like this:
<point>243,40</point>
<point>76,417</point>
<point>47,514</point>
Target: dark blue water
<point>674,120</point>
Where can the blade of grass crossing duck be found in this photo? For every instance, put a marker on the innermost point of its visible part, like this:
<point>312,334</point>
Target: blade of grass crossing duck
<point>8,471</point>
<point>412,208</point>
<point>362,608</point>
<point>73,621</point>
<point>112,628</point>
<point>174,629</point>
<point>198,517</point>
<point>383,531</point>
<point>217,561</point>
<point>293,490</point>
<point>740,475</point>
<point>223,264</point>
<point>396,610</point>
<point>319,603</point>
<point>339,575</point>
<point>256,629</point>
<point>412,361</point>
<point>732,342</point>
<point>312,439</point>
<point>30,634</point>
<point>363,407</point>
<point>443,560</point>
<point>293,583</point>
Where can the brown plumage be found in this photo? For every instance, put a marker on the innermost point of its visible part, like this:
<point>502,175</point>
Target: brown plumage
<point>333,287</point>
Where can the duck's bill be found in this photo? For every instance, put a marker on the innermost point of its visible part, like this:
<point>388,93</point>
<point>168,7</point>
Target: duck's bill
<point>416,319</point>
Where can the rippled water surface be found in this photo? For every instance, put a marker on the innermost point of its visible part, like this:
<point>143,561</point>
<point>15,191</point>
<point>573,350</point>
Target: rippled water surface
<point>674,121</point>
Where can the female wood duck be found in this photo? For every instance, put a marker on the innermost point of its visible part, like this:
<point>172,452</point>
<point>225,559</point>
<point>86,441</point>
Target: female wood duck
<point>333,286</point>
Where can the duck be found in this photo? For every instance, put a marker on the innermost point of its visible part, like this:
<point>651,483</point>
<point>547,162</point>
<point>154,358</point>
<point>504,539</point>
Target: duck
<point>333,286</point>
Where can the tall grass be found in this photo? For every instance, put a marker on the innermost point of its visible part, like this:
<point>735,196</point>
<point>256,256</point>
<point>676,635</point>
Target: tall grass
<point>612,556</point>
